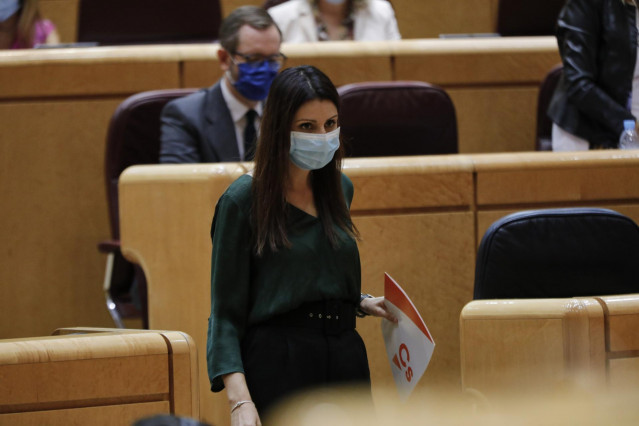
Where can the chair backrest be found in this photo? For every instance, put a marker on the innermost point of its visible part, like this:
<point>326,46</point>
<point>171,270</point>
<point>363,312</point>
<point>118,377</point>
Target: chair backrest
<point>134,138</point>
<point>544,123</point>
<point>116,22</point>
<point>397,118</point>
<point>528,18</point>
<point>553,253</point>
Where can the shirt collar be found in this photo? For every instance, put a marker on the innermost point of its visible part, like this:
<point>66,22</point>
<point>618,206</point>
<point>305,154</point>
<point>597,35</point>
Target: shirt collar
<point>238,109</point>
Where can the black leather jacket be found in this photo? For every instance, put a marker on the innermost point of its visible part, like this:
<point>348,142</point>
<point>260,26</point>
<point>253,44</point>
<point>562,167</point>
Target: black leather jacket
<point>598,46</point>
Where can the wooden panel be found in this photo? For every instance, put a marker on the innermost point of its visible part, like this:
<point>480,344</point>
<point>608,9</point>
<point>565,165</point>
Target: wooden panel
<point>496,119</point>
<point>61,372</point>
<point>473,61</point>
<point>411,182</point>
<point>185,392</point>
<point>540,342</point>
<point>623,373</point>
<point>425,18</point>
<point>557,177</point>
<point>76,381</point>
<point>229,5</point>
<point>201,73</point>
<point>112,376</point>
<point>344,62</point>
<point>63,13</point>
<point>52,187</point>
<point>622,313</point>
<point>623,332</point>
<point>175,204</point>
<point>429,18</point>
<point>91,79</point>
<point>431,256</point>
<point>523,366</point>
<point>109,415</point>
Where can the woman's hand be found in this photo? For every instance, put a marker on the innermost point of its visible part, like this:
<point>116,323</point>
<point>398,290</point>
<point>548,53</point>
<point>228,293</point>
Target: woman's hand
<point>245,415</point>
<point>375,306</point>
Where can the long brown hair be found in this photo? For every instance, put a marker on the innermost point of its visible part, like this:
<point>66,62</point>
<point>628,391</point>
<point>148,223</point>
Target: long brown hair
<point>29,15</point>
<point>292,88</point>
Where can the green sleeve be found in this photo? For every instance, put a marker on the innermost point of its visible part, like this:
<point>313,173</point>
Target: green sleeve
<point>230,275</point>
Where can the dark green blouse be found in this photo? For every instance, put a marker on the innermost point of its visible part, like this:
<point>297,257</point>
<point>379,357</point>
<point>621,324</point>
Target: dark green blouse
<point>246,289</point>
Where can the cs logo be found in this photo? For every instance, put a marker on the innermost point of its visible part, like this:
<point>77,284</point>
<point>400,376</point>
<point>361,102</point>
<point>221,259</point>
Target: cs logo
<point>401,360</point>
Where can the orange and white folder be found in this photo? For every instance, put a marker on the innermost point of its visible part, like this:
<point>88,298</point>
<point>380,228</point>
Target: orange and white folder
<point>409,344</point>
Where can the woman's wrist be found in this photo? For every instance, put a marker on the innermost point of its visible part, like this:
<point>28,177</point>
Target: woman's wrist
<point>359,312</point>
<point>236,389</point>
<point>238,404</point>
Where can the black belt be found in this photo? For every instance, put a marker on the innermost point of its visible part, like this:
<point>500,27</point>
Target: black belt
<point>330,316</point>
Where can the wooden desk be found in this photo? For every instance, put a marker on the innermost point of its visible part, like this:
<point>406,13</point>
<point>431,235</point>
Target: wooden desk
<point>108,376</point>
<point>414,220</point>
<point>55,107</point>
<point>622,342</point>
<point>415,18</point>
<point>421,219</point>
<point>518,345</point>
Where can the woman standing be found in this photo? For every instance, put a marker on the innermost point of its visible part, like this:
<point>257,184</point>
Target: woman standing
<point>285,273</point>
<point>599,88</point>
<point>22,27</point>
<point>322,20</point>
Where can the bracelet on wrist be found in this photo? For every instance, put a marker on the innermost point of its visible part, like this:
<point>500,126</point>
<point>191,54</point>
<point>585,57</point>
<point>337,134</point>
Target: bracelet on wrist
<point>358,311</point>
<point>238,404</point>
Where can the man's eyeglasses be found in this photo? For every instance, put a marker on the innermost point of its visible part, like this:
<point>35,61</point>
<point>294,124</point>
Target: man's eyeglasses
<point>274,61</point>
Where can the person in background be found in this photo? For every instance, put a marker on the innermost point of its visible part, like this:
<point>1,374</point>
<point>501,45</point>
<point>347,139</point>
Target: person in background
<point>599,88</point>
<point>285,269</point>
<point>220,123</point>
<point>321,20</point>
<point>22,27</point>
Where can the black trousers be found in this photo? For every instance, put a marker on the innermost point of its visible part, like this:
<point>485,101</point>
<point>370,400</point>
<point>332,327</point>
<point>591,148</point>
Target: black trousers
<point>280,360</point>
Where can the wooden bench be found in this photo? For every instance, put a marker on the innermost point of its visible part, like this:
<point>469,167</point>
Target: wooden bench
<point>104,377</point>
<point>527,345</point>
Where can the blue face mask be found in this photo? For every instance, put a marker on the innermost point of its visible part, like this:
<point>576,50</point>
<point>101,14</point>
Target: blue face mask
<point>312,151</point>
<point>255,79</point>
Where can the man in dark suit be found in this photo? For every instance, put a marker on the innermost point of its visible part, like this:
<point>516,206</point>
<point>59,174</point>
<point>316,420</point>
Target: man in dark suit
<point>219,123</point>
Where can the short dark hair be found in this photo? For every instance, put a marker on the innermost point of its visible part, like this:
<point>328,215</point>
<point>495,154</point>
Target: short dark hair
<point>290,89</point>
<point>253,16</point>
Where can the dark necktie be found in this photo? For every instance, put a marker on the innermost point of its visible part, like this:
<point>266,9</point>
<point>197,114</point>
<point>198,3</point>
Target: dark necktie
<point>250,135</point>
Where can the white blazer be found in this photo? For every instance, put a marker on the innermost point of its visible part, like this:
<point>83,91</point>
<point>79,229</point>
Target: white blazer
<point>373,22</point>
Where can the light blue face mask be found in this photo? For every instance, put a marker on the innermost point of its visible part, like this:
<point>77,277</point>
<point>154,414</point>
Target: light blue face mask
<point>312,151</point>
<point>8,8</point>
<point>335,1</point>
